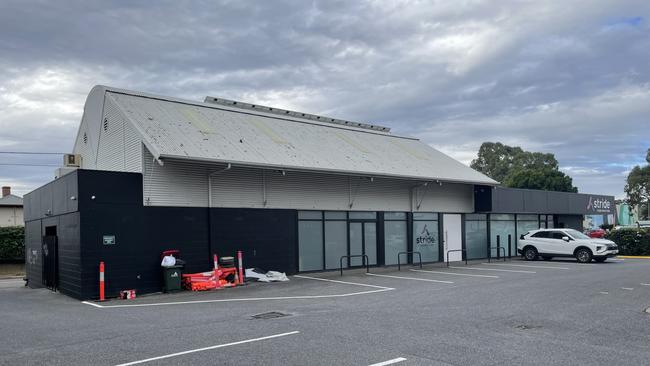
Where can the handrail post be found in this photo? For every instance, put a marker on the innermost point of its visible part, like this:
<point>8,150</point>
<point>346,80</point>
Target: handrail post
<point>498,246</point>
<point>510,245</point>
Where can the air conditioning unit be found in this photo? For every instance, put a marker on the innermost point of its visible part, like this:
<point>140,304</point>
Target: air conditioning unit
<point>72,160</point>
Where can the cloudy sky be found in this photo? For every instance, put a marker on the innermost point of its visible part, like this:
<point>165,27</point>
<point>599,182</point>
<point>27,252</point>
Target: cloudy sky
<point>567,77</point>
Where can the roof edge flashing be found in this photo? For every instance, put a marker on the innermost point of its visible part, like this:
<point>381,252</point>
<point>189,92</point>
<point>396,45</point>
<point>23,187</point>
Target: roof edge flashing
<point>295,114</point>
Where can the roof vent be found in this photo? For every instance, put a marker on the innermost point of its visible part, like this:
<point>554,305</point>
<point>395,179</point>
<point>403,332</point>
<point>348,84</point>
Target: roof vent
<point>284,112</point>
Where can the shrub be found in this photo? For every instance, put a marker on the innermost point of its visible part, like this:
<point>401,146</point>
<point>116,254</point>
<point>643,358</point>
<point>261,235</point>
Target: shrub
<point>12,243</point>
<point>631,241</point>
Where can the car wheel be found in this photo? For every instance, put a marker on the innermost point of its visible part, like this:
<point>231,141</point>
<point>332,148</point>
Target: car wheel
<point>547,258</point>
<point>600,260</point>
<point>583,255</point>
<point>530,254</point>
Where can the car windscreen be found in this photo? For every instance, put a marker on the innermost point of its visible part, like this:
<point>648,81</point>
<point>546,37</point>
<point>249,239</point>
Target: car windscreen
<point>576,234</point>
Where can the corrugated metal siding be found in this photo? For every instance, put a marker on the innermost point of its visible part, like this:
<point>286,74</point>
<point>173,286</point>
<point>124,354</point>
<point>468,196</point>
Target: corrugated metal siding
<point>175,183</point>
<point>110,154</point>
<point>449,197</point>
<point>84,149</point>
<point>238,187</point>
<point>182,183</point>
<point>307,191</point>
<point>132,149</point>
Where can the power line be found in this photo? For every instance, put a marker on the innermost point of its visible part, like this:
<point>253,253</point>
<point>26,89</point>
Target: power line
<point>31,153</point>
<point>18,164</point>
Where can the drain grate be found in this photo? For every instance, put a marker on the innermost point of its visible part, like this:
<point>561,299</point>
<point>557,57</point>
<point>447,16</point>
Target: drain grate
<point>527,327</point>
<point>269,315</point>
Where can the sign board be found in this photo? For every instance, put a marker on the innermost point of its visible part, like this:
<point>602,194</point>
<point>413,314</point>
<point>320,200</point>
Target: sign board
<point>108,239</point>
<point>600,204</point>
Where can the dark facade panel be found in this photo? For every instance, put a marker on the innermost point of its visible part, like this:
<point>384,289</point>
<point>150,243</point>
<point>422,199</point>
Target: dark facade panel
<point>267,237</point>
<point>69,255</point>
<point>33,263</point>
<point>52,199</point>
<point>559,202</point>
<point>512,200</point>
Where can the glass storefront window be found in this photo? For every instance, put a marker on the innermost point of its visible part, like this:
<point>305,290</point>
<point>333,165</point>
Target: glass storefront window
<point>395,216</point>
<point>310,245</point>
<point>500,230</point>
<point>526,223</point>
<point>363,215</point>
<point>310,215</point>
<point>475,238</point>
<point>395,241</point>
<point>336,243</point>
<point>527,217</point>
<point>507,217</point>
<point>425,216</point>
<point>370,241</point>
<point>336,215</point>
<point>426,239</point>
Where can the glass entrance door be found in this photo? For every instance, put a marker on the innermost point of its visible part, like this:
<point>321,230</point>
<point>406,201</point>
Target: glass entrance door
<point>363,240</point>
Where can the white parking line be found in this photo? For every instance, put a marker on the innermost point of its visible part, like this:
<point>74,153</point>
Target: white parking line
<point>627,288</point>
<point>342,282</point>
<point>645,284</point>
<point>492,269</point>
<point>407,278</point>
<point>389,362</point>
<point>604,292</point>
<point>523,265</point>
<point>454,274</point>
<point>208,348</point>
<point>302,297</point>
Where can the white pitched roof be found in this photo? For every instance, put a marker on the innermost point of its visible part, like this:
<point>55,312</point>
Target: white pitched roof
<point>180,129</point>
<point>11,200</point>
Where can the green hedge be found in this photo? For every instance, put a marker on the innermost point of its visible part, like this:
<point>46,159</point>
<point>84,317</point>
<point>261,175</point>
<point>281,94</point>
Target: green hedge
<point>631,241</point>
<point>12,243</point>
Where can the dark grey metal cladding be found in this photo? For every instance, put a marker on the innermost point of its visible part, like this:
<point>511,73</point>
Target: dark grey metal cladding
<point>55,198</point>
<point>267,237</point>
<point>33,260</point>
<point>512,200</point>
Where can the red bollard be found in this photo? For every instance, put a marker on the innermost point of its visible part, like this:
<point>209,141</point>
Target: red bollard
<point>101,281</point>
<point>241,270</point>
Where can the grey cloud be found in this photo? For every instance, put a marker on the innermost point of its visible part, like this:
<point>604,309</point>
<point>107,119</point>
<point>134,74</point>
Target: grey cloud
<point>545,75</point>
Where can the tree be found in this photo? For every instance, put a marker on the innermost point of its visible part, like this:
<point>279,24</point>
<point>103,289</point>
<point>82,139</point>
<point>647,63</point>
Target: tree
<point>638,185</point>
<point>545,179</point>
<point>517,168</point>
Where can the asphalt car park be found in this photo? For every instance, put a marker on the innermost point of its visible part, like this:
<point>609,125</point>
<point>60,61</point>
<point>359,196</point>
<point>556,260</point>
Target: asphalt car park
<point>513,312</point>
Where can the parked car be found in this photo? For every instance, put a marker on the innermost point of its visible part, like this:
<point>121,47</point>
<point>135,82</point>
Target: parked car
<point>549,243</point>
<point>597,233</point>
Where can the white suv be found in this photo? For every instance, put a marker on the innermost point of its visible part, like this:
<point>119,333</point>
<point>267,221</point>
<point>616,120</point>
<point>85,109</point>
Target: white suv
<point>549,243</point>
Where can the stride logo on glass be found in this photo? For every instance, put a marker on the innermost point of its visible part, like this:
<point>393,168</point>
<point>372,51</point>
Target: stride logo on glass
<point>425,237</point>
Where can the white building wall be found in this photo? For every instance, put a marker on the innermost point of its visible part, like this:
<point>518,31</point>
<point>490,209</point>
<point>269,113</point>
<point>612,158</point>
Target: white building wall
<point>181,183</point>
<point>11,216</point>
